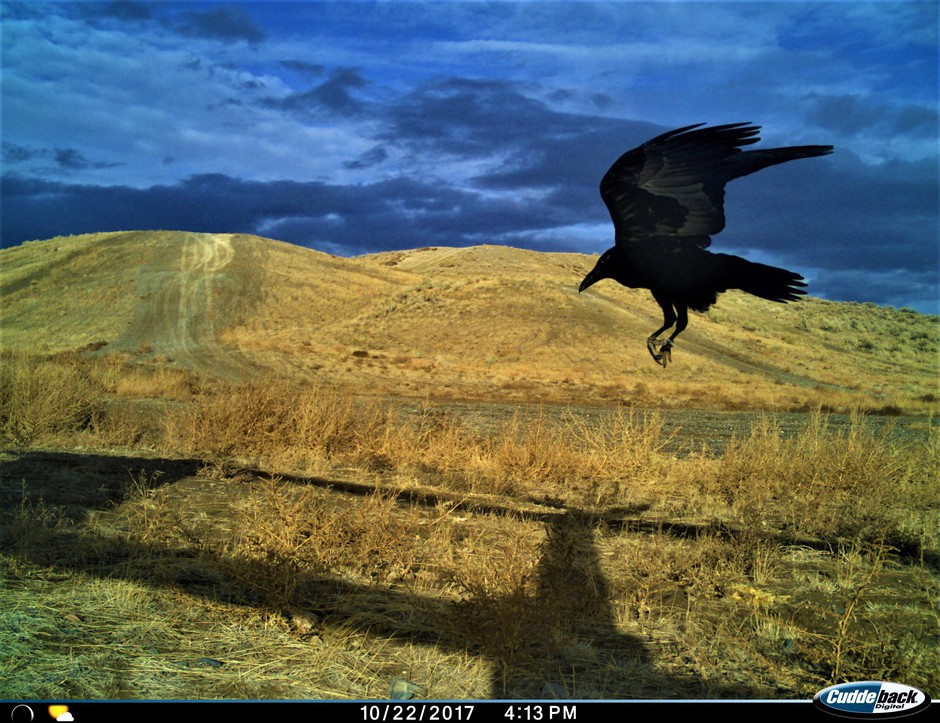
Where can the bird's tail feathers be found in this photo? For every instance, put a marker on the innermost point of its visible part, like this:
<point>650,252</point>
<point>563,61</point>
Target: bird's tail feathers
<point>767,282</point>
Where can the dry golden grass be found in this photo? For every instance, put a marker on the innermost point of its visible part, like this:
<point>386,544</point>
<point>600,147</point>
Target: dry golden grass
<point>485,323</point>
<point>160,383</point>
<point>829,480</point>
<point>293,427</point>
<point>42,399</point>
<point>255,512</point>
<point>300,542</point>
<point>252,479</point>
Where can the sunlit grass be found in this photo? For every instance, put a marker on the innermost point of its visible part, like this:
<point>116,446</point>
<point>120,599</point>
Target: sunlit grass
<point>327,544</point>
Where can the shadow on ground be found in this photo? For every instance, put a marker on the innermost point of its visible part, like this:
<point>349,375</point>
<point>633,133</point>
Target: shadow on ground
<point>572,598</point>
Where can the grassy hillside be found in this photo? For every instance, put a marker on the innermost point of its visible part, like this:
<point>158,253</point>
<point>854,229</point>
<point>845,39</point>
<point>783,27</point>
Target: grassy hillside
<point>235,468</point>
<point>481,323</point>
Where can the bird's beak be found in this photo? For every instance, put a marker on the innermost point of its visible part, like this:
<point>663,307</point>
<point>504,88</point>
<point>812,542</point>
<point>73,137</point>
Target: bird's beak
<point>589,280</point>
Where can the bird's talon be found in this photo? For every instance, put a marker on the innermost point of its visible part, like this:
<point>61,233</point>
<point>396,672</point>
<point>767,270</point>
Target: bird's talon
<point>660,350</point>
<point>666,353</point>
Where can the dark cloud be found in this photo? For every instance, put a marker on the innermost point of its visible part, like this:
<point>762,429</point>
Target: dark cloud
<point>528,143</point>
<point>370,158</point>
<point>73,160</point>
<point>574,155</point>
<point>468,117</point>
<point>918,121</point>
<point>336,95</point>
<point>15,153</point>
<point>63,159</point>
<point>855,114</point>
<point>389,214</point>
<point>822,212</point>
<point>225,23</point>
<point>602,100</point>
<point>891,287</point>
<point>127,10</point>
<point>70,158</point>
<point>303,68</point>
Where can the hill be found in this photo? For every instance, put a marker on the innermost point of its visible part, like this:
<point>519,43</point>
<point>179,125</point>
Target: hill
<point>485,323</point>
<point>219,478</point>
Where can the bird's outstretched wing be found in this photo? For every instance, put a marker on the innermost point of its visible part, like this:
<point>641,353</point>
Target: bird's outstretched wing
<point>673,186</point>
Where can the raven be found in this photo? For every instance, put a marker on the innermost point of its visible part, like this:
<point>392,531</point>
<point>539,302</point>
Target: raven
<point>666,200</point>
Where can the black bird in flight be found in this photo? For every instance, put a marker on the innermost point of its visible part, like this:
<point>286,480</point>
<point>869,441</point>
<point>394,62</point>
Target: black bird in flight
<point>666,199</point>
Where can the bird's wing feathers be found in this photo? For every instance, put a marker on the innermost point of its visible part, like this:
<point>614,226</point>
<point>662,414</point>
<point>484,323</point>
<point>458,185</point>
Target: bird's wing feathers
<point>673,185</point>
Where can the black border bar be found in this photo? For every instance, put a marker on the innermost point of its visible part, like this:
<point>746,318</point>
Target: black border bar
<point>417,711</point>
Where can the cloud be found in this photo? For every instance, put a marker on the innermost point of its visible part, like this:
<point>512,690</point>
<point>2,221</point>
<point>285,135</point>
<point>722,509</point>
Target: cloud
<point>373,157</point>
<point>356,128</point>
<point>821,213</point>
<point>302,67</point>
<point>388,214</point>
<point>74,160</point>
<point>225,23</point>
<point>852,115</point>
<point>61,159</point>
<point>891,287</point>
<point>124,10</point>
<point>336,95</point>
<point>14,153</point>
<point>467,117</point>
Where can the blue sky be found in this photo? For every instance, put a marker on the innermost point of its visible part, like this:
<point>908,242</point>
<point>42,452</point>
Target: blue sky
<point>354,127</point>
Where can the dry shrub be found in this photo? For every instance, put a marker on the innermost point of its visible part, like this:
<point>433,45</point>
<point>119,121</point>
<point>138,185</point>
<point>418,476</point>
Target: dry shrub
<point>117,426</point>
<point>160,383</point>
<point>659,577</point>
<point>528,450</point>
<point>531,453</point>
<point>500,609</point>
<point>271,537</point>
<point>598,461</point>
<point>386,437</point>
<point>274,420</point>
<point>41,397</point>
<point>432,443</point>
<point>828,480</point>
<point>230,420</point>
<point>858,568</point>
<point>625,447</point>
<point>286,533</point>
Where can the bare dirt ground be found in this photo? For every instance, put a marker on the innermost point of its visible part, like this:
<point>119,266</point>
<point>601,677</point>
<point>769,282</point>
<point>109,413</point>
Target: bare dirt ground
<point>188,295</point>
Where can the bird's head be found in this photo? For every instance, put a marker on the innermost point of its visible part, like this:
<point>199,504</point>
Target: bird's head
<point>603,269</point>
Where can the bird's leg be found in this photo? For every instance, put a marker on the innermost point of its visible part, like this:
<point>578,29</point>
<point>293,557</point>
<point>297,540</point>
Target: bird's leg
<point>682,321</point>
<point>660,350</point>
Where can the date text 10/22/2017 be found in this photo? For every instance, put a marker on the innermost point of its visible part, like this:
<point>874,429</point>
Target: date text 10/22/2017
<point>459,712</point>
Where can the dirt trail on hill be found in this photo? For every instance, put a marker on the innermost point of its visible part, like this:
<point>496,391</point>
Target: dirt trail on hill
<point>428,259</point>
<point>187,310</point>
<point>752,364</point>
<point>692,340</point>
<point>189,294</point>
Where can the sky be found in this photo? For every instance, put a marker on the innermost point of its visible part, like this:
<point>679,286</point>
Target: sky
<point>356,127</point>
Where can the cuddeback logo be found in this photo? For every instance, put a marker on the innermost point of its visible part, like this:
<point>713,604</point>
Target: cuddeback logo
<point>871,699</point>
